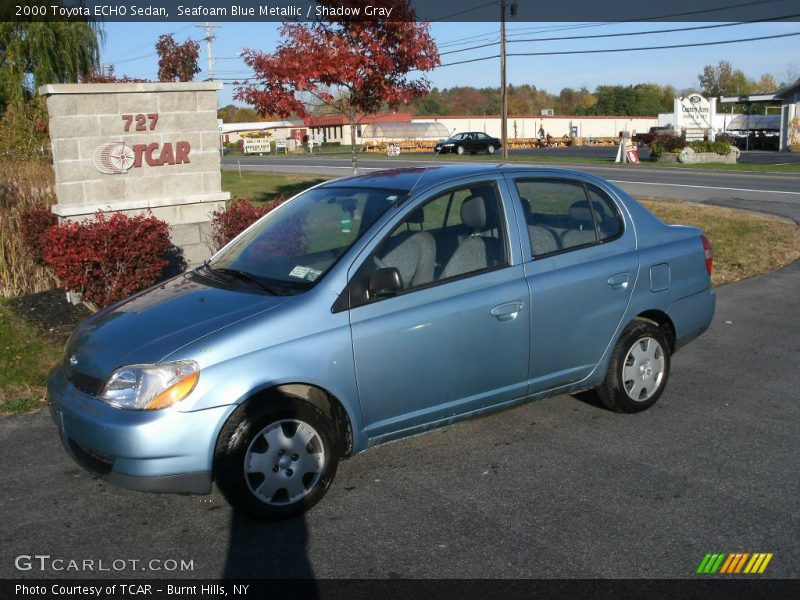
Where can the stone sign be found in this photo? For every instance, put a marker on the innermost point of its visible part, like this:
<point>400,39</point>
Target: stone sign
<point>134,147</point>
<point>695,115</point>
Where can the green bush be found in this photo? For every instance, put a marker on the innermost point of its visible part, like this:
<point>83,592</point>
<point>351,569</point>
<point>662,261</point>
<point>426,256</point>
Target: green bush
<point>720,148</point>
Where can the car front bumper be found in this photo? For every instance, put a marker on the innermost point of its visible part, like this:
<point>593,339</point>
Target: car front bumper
<point>152,451</point>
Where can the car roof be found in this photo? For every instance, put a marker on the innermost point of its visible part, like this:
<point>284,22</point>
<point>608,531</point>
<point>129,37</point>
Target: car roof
<point>420,178</point>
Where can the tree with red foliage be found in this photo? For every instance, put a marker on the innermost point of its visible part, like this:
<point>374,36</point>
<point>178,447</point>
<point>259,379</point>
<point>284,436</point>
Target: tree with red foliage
<point>177,62</point>
<point>351,67</point>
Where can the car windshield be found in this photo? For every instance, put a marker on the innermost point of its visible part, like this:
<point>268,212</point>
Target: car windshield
<point>293,247</point>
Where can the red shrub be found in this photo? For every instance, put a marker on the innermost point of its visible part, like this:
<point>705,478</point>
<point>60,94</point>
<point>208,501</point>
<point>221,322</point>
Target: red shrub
<point>240,214</point>
<point>33,223</point>
<point>109,258</point>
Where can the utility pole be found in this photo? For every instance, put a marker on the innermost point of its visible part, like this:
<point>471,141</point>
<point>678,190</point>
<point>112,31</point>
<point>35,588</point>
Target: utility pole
<point>209,38</point>
<point>503,95</point>
<point>503,91</point>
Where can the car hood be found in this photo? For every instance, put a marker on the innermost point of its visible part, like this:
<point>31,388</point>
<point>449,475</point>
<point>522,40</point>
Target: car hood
<point>148,327</point>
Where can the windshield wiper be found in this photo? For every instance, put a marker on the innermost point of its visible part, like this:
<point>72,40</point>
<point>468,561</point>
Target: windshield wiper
<point>210,271</point>
<point>250,278</point>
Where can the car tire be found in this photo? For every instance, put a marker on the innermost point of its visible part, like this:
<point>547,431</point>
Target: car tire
<point>490,149</point>
<point>639,369</point>
<point>263,468</point>
<point>459,150</point>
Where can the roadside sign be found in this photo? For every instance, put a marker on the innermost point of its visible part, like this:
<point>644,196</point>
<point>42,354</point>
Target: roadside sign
<point>281,143</point>
<point>627,151</point>
<point>256,146</point>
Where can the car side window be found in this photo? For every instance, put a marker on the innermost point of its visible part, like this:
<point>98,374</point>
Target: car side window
<point>564,215</point>
<point>609,221</point>
<point>457,233</point>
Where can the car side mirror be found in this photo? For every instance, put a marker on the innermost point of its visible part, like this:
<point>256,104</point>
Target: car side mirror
<point>385,282</point>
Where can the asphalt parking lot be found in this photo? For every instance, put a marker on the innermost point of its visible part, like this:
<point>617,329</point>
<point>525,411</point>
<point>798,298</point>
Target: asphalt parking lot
<point>556,488</point>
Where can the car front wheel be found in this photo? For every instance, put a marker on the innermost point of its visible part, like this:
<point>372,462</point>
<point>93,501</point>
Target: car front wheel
<point>276,457</point>
<point>460,150</point>
<point>639,369</point>
<point>490,149</point>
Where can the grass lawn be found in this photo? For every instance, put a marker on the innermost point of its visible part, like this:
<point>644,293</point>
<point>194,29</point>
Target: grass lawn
<point>745,244</point>
<point>260,187</point>
<point>25,359</point>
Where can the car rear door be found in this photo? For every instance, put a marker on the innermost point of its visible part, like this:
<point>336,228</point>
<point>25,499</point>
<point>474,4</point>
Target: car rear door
<point>451,345</point>
<point>581,265</point>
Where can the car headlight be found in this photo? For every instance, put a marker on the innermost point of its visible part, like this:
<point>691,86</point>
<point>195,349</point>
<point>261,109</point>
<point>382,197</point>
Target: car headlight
<point>150,387</point>
<point>446,145</point>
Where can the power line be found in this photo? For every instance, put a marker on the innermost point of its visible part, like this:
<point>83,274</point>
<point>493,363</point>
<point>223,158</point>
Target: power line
<point>139,47</point>
<point>671,46</point>
<point>636,49</point>
<point>654,31</point>
<point>493,34</point>
<point>131,59</point>
<point>520,31</point>
<point>465,11</point>
<point>626,34</point>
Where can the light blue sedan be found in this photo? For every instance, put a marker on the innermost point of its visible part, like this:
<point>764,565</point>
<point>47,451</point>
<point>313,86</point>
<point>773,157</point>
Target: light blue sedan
<point>372,308</point>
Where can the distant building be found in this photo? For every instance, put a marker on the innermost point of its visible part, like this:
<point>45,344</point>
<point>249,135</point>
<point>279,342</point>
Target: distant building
<point>291,128</point>
<point>788,123</point>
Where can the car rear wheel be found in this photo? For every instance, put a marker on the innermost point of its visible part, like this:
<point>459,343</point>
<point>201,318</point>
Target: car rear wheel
<point>639,369</point>
<point>459,149</point>
<point>490,149</point>
<point>276,458</point>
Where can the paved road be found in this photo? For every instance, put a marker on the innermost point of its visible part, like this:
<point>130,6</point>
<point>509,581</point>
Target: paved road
<point>772,192</point>
<point>756,157</point>
<point>556,488</point>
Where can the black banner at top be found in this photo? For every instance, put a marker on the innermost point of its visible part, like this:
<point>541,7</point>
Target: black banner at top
<point>525,11</point>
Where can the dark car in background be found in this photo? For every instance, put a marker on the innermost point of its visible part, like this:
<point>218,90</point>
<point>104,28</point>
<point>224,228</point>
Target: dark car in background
<point>471,141</point>
<point>645,139</point>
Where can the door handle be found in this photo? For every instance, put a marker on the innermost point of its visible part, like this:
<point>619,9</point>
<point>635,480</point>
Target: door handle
<point>507,311</point>
<point>620,281</point>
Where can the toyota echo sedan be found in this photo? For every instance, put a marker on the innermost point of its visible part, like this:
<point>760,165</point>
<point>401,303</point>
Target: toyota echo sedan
<point>371,308</point>
<point>472,142</point>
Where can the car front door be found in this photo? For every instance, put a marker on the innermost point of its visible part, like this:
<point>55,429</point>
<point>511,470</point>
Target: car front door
<point>455,339</point>
<point>581,266</point>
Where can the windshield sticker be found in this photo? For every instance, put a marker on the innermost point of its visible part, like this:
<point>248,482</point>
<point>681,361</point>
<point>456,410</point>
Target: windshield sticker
<point>313,274</point>
<point>346,221</point>
<point>299,272</point>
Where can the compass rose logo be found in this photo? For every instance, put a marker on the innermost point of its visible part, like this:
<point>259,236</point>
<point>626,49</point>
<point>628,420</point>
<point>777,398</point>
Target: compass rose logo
<point>114,158</point>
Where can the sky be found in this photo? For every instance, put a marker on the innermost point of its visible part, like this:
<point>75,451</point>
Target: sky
<point>130,48</point>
